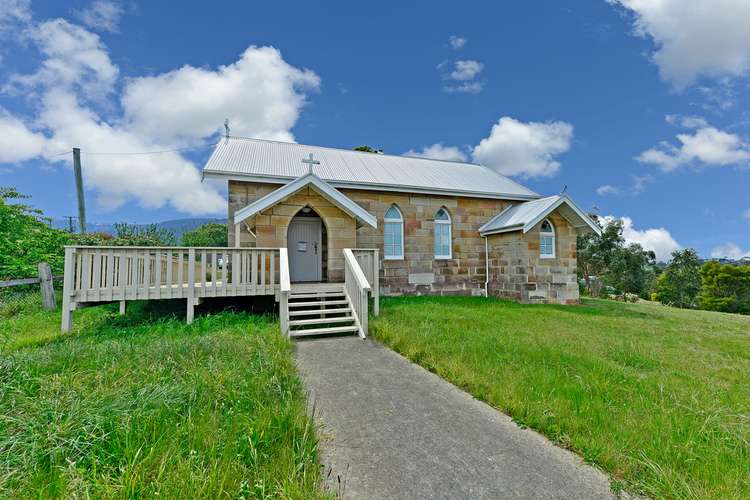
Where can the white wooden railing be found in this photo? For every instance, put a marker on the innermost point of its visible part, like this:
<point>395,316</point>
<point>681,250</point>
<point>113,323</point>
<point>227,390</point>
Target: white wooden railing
<point>103,274</point>
<point>284,290</point>
<point>369,262</point>
<point>357,289</point>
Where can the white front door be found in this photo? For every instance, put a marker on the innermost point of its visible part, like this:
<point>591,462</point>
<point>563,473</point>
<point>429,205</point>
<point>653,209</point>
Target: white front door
<point>305,251</point>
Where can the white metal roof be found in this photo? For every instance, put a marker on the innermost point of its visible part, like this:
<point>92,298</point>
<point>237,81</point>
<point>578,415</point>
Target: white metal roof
<point>323,188</point>
<point>524,216</point>
<point>279,162</point>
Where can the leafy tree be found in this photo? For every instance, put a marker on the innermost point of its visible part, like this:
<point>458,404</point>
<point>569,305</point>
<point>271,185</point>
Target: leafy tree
<point>26,238</point>
<point>129,235</point>
<point>365,148</point>
<point>680,282</point>
<point>606,260</point>
<point>725,288</point>
<point>207,235</point>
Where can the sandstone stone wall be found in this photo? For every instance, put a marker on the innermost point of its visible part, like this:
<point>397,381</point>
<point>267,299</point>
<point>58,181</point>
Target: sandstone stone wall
<point>518,272</point>
<point>528,279</point>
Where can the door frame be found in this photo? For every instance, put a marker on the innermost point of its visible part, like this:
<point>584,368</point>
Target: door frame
<point>319,264</point>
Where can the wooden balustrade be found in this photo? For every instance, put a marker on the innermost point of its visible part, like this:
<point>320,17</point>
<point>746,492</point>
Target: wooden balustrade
<point>357,289</point>
<point>105,274</point>
<point>369,262</point>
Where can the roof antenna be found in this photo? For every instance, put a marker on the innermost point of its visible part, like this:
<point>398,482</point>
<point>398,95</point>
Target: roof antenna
<point>565,188</point>
<point>226,128</point>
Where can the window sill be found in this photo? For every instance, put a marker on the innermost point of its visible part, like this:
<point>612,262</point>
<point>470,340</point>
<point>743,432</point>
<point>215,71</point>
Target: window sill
<point>394,258</point>
<point>444,257</point>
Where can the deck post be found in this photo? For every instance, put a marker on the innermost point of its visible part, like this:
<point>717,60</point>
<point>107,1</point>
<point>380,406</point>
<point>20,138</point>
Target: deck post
<point>237,235</point>
<point>191,286</point>
<point>68,283</point>
<point>376,283</point>
<point>123,307</point>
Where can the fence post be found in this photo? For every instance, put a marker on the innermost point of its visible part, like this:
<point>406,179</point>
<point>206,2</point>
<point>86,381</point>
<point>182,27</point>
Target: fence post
<point>68,286</point>
<point>45,286</point>
<point>191,285</point>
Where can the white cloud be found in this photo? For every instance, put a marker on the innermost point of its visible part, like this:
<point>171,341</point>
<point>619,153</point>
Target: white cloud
<point>102,15</point>
<point>153,180</point>
<point>465,88</point>
<point>659,240</point>
<point>457,42</point>
<point>13,13</point>
<point>463,76</point>
<point>729,251</point>
<point>707,146</point>
<point>17,142</point>
<point>73,57</point>
<point>261,94</point>
<point>465,70</point>
<point>606,190</point>
<point>439,152</point>
<point>694,38</point>
<point>746,214</point>
<point>640,182</point>
<point>686,121</point>
<point>524,149</point>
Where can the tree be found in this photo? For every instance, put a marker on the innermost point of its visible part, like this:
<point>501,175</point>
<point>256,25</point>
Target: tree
<point>725,288</point>
<point>365,148</point>
<point>207,235</point>
<point>129,235</point>
<point>26,238</point>
<point>680,282</point>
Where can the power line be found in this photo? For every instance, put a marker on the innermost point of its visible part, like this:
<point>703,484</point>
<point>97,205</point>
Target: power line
<point>130,153</point>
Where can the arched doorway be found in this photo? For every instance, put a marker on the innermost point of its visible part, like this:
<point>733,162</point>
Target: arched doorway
<point>307,245</point>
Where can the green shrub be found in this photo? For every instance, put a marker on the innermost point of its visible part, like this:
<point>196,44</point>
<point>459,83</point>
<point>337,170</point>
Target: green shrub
<point>725,288</point>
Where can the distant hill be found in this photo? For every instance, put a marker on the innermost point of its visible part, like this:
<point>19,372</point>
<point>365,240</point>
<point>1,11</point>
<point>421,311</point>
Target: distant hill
<point>177,226</point>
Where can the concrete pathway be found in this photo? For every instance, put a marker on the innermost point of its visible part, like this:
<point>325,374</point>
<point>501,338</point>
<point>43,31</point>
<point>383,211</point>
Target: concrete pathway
<point>391,429</point>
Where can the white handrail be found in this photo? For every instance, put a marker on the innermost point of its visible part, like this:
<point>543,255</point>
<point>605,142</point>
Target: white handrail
<point>369,260</point>
<point>285,287</point>
<point>357,289</point>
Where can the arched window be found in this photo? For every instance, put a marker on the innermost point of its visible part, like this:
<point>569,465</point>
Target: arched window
<point>547,240</point>
<point>393,234</point>
<point>443,235</point>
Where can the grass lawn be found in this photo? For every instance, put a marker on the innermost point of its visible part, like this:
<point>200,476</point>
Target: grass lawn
<point>658,397</point>
<point>145,406</point>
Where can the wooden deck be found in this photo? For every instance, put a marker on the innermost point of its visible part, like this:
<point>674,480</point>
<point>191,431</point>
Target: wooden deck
<point>95,274</point>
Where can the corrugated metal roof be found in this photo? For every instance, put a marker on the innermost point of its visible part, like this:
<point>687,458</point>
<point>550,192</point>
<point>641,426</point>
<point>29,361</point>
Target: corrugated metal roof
<point>524,216</point>
<point>282,161</point>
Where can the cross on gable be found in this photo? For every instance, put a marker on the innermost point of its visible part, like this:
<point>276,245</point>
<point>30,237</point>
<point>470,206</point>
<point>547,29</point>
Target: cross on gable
<point>310,162</point>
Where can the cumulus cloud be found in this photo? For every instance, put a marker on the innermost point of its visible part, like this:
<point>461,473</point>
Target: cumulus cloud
<point>694,38</point>
<point>17,142</point>
<point>729,251</point>
<point>463,76</point>
<point>607,190</point>
<point>184,107</point>
<point>457,42</point>
<point>13,13</point>
<point>102,15</point>
<point>707,145</point>
<point>659,240</point>
<point>439,152</point>
<point>524,149</point>
<point>73,58</point>
<point>261,94</point>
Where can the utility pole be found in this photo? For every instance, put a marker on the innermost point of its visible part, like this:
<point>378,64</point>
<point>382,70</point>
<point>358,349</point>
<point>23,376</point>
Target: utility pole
<point>79,188</point>
<point>70,222</point>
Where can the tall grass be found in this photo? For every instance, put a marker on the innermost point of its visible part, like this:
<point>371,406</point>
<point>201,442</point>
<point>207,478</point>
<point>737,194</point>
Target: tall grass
<point>658,397</point>
<point>146,406</point>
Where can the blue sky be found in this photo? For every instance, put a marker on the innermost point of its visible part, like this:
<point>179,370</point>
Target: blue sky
<point>639,107</point>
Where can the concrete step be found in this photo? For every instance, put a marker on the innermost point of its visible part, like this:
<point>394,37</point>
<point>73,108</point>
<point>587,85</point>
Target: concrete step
<point>324,331</point>
<point>319,295</point>
<point>319,303</point>
<point>318,312</point>
<point>319,321</point>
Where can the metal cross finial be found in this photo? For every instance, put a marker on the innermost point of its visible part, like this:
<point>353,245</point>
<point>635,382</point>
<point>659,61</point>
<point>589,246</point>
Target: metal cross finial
<point>310,162</point>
